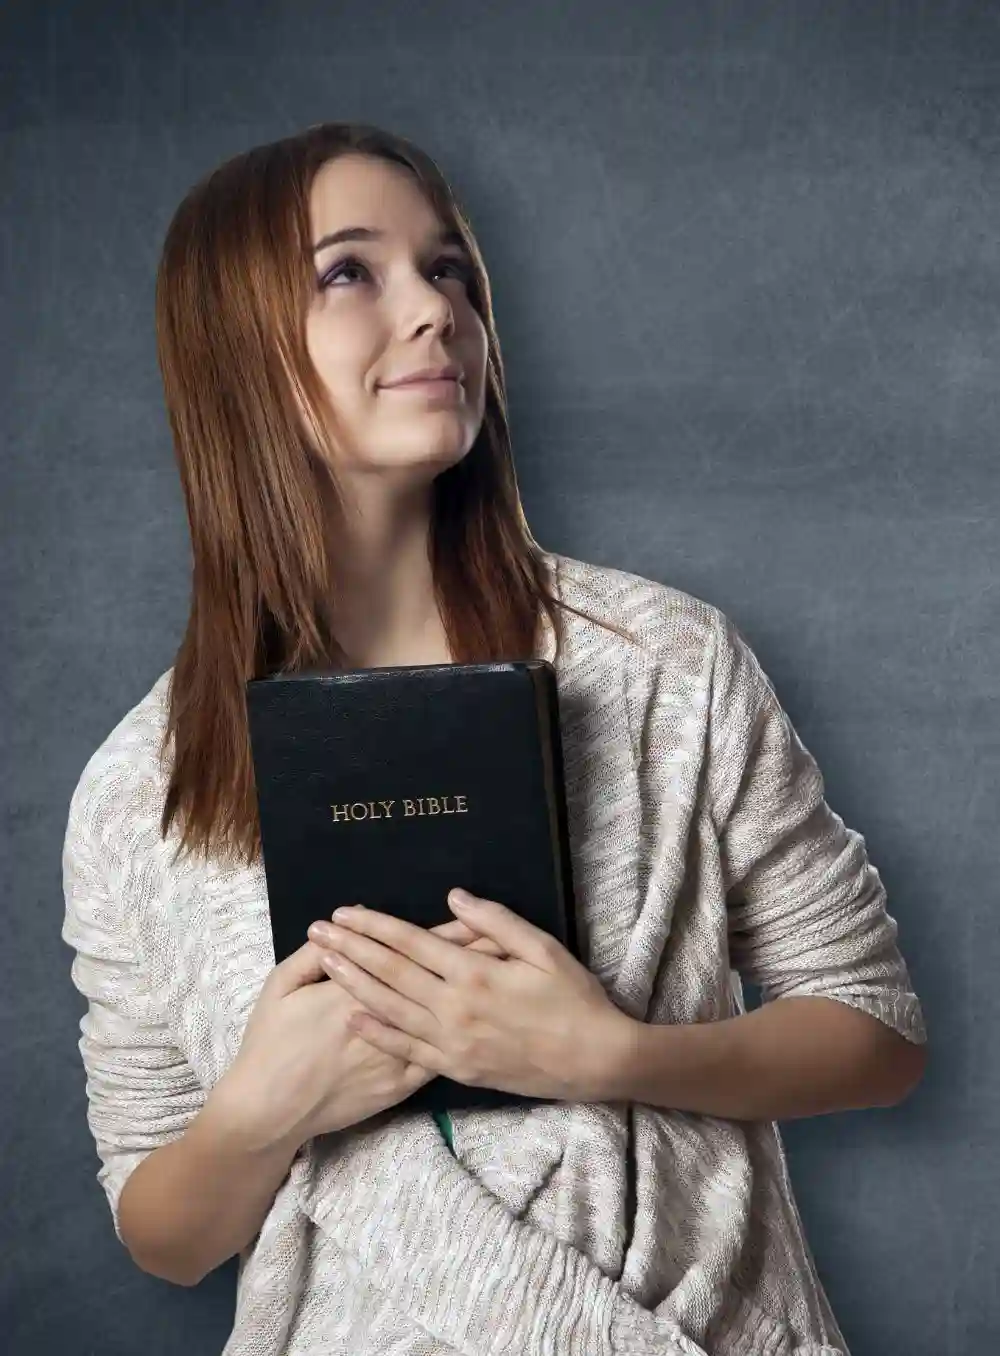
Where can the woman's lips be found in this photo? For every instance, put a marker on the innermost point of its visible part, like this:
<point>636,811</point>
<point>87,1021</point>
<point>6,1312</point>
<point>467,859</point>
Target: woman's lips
<point>447,386</point>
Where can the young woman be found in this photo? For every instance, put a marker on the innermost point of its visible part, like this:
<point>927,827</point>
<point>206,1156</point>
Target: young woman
<point>336,399</point>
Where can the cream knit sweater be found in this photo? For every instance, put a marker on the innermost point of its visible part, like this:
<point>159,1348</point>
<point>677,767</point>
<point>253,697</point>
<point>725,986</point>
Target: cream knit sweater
<point>703,849</point>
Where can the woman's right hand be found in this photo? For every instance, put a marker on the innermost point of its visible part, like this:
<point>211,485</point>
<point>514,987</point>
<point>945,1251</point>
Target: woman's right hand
<point>300,1071</point>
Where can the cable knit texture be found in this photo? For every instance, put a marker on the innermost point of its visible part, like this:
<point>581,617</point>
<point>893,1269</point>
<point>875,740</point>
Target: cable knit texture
<point>703,850</point>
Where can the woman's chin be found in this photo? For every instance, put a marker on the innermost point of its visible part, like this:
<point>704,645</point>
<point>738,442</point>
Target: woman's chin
<point>434,453</point>
<point>413,466</point>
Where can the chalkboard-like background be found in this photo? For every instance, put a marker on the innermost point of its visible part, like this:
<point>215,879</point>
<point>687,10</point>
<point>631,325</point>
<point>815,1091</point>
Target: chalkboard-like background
<point>748,285</point>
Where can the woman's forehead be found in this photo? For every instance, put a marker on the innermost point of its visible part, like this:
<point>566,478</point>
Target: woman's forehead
<point>360,191</point>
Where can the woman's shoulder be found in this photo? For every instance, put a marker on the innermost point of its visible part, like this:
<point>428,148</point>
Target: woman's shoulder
<point>663,618</point>
<point>683,644</point>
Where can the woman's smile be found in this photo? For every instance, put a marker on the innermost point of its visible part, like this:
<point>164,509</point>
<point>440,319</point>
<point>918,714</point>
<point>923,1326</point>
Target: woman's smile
<point>448,389</point>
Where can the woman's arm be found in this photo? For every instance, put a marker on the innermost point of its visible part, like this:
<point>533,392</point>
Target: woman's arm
<point>191,1205</point>
<point>797,1057</point>
<point>840,1026</point>
<point>185,1187</point>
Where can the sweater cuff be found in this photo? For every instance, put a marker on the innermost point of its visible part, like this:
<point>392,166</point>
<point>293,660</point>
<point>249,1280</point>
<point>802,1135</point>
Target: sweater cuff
<point>458,1263</point>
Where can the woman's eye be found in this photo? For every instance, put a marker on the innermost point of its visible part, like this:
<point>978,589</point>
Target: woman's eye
<point>340,270</point>
<point>461,268</point>
<point>340,273</point>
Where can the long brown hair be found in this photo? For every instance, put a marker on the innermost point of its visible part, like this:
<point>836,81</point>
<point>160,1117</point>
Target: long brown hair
<point>247,412</point>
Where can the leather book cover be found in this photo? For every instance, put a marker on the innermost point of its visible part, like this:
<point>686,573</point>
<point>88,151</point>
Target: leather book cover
<point>390,786</point>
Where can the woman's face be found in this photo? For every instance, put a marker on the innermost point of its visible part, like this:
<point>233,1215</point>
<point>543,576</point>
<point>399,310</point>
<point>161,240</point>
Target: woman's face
<point>386,306</point>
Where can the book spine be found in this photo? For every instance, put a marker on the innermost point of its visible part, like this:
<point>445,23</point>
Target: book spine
<point>550,736</point>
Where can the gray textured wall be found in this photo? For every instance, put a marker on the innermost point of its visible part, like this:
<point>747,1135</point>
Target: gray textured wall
<point>747,282</point>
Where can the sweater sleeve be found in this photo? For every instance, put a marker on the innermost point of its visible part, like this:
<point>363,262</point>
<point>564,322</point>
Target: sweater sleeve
<point>141,1093</point>
<point>807,910</point>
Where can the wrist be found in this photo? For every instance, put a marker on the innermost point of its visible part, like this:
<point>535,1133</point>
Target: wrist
<point>229,1119</point>
<point>611,1056</point>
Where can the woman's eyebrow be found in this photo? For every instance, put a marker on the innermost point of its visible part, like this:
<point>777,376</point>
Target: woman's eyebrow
<point>369,233</point>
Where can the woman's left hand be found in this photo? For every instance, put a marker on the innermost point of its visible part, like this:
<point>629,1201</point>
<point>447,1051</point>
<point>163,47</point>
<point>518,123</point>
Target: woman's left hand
<point>534,1021</point>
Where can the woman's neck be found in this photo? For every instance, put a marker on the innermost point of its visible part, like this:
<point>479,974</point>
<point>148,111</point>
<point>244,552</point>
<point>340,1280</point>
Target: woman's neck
<point>428,647</point>
<point>387,612</point>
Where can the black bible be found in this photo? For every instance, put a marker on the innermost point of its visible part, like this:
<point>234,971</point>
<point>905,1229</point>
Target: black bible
<point>388,787</point>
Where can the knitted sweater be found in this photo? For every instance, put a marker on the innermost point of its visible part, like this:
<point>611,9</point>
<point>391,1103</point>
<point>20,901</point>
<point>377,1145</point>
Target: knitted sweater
<point>703,850</point>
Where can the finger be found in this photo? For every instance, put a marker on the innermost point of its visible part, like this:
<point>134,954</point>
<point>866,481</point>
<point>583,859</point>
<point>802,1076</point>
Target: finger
<point>304,966</point>
<point>396,971</point>
<point>392,1041</point>
<point>518,937</point>
<point>417,944</point>
<point>454,932</point>
<point>488,947</point>
<point>464,936</point>
<point>458,934</point>
<point>383,1002</point>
